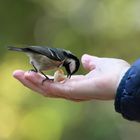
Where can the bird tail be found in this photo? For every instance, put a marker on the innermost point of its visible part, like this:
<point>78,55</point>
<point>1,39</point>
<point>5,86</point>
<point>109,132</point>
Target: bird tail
<point>15,48</point>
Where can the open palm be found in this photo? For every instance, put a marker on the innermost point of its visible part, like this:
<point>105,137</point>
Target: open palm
<point>100,82</point>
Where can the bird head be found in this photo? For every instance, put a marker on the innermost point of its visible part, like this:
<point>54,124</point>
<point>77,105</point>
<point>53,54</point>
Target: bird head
<point>71,63</point>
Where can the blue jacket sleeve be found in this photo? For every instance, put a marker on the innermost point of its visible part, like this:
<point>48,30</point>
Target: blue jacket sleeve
<point>127,100</point>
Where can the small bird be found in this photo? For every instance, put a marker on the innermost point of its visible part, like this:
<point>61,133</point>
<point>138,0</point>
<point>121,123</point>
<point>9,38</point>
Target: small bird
<point>46,58</point>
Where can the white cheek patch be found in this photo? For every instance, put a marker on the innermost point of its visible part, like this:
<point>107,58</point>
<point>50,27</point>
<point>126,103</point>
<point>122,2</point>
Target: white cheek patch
<point>72,65</point>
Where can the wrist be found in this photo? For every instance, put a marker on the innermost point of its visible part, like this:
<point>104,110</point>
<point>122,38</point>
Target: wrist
<point>123,72</point>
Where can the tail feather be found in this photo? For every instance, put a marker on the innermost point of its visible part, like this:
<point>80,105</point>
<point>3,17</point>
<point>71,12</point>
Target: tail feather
<point>15,48</point>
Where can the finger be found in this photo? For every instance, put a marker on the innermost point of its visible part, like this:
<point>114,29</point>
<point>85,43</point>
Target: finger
<point>33,81</point>
<point>89,62</point>
<point>20,75</point>
<point>34,77</point>
<point>37,79</point>
<point>30,80</point>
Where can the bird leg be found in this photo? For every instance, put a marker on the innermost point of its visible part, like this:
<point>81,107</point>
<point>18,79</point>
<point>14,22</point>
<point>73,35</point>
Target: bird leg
<point>35,69</point>
<point>46,77</point>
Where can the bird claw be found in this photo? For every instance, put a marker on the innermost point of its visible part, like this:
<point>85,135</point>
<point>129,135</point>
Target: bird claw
<point>47,79</point>
<point>33,70</point>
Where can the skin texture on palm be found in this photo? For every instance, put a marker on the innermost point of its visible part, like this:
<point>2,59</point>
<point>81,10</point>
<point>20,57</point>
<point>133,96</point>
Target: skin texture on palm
<point>101,81</point>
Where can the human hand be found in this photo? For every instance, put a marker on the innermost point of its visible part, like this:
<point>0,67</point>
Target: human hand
<point>100,83</point>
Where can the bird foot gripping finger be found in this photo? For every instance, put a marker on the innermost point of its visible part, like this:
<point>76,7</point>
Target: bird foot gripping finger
<point>46,78</point>
<point>33,70</point>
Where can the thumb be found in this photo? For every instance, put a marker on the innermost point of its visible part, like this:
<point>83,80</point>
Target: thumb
<point>89,62</point>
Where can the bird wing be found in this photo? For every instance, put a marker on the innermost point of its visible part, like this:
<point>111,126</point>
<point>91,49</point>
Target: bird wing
<point>52,53</point>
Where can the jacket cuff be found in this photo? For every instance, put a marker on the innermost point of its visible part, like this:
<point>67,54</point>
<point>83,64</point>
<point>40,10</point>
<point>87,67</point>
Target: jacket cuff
<point>127,100</point>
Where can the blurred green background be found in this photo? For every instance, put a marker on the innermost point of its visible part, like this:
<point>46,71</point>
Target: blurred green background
<point>106,28</point>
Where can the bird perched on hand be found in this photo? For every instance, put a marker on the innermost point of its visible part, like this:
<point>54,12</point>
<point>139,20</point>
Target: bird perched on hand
<point>46,58</point>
